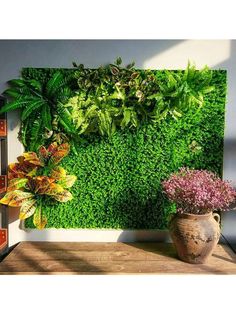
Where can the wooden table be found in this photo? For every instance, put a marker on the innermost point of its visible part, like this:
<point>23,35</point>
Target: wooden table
<point>109,258</point>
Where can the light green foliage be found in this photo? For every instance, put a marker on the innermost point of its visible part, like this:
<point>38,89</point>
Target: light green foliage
<point>116,97</point>
<point>119,177</point>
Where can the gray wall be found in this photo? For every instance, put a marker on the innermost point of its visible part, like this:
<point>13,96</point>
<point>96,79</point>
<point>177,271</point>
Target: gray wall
<point>15,54</point>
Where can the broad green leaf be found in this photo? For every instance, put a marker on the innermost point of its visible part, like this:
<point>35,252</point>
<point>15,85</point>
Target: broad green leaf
<point>126,119</point>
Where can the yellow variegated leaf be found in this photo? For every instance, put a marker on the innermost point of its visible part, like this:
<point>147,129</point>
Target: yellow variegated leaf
<point>19,197</point>
<point>53,189</point>
<point>64,196</point>
<point>32,173</point>
<point>32,158</point>
<point>7,198</point>
<point>16,184</point>
<point>39,220</point>
<point>27,209</point>
<point>58,173</point>
<point>68,181</point>
<point>59,153</point>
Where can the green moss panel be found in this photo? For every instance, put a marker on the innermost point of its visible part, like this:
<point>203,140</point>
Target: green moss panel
<point>119,179</point>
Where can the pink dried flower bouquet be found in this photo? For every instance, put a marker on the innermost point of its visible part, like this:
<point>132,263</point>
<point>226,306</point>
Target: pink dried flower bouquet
<point>198,191</point>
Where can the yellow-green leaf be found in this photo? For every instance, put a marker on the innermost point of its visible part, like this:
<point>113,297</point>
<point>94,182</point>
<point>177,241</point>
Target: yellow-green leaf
<point>27,209</point>
<point>64,196</point>
<point>16,184</point>
<point>39,220</point>
<point>69,180</point>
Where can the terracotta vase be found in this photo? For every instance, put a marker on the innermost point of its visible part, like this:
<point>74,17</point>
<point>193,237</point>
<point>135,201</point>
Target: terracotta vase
<point>195,236</point>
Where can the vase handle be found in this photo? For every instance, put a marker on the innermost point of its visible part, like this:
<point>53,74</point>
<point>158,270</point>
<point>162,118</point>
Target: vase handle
<point>216,217</point>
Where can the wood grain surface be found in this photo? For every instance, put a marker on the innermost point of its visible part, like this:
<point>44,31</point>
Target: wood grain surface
<point>109,258</point>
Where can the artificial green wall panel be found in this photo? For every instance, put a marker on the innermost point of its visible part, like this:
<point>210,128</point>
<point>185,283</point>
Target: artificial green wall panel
<point>119,178</point>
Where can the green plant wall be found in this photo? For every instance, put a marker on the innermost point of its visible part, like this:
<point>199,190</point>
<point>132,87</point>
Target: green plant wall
<point>119,177</point>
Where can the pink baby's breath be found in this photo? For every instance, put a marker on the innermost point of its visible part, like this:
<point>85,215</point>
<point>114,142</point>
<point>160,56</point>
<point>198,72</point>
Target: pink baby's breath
<point>198,191</point>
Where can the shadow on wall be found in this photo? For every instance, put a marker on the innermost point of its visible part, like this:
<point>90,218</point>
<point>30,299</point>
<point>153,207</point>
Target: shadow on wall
<point>15,54</point>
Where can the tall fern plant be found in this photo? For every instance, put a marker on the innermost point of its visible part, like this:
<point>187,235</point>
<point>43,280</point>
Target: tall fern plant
<point>43,115</point>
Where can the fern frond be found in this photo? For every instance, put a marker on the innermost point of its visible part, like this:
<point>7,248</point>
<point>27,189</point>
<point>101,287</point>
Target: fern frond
<point>9,106</point>
<point>32,106</point>
<point>36,134</point>
<point>55,83</point>
<point>46,116</point>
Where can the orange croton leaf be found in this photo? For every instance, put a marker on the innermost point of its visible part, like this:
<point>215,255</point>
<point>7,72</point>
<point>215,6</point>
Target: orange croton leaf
<point>53,189</point>
<point>43,153</point>
<point>21,170</point>
<point>15,171</point>
<point>59,153</point>
<point>44,185</point>
<point>58,173</point>
<point>31,157</point>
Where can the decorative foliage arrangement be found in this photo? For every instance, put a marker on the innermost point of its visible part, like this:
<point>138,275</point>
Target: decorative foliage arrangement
<point>198,191</point>
<point>35,177</point>
<point>128,129</point>
<point>103,99</point>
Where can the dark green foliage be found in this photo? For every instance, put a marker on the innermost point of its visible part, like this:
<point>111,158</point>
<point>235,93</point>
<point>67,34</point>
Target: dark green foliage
<point>119,177</point>
<point>38,98</point>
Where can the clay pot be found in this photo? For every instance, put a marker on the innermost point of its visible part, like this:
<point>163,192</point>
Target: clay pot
<point>195,236</point>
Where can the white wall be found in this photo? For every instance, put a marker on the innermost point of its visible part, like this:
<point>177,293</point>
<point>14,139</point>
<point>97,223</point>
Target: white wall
<point>158,54</point>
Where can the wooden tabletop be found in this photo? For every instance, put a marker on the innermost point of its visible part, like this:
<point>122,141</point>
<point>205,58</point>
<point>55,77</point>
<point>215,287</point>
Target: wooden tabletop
<point>109,258</point>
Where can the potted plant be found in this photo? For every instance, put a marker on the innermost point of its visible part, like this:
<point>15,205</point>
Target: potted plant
<point>194,228</point>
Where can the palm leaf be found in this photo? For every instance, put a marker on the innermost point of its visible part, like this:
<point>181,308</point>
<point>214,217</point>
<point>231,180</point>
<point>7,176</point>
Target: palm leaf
<point>9,106</point>
<point>34,105</point>
<point>65,119</point>
<point>36,134</point>
<point>55,83</point>
<point>46,116</point>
